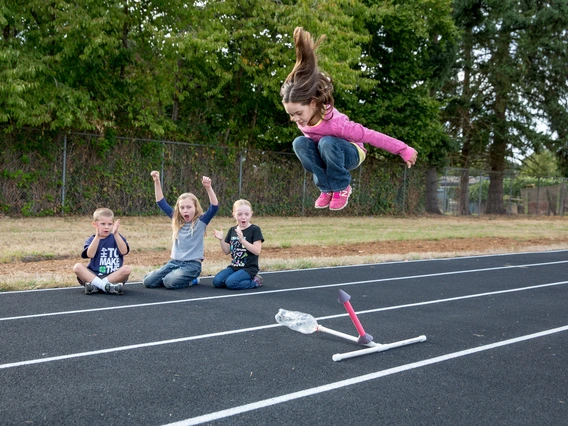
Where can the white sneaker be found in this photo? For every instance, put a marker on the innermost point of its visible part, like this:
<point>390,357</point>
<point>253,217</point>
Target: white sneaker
<point>117,288</point>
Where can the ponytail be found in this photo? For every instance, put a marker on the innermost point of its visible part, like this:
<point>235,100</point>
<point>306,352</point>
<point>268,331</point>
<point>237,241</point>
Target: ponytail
<point>306,83</point>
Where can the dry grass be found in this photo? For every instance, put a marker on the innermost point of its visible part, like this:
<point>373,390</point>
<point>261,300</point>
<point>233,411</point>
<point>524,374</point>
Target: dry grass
<point>53,238</point>
<point>33,239</point>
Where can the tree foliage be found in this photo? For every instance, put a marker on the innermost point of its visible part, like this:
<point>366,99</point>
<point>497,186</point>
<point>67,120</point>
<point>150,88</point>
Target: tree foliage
<point>211,71</point>
<point>468,80</point>
<point>499,96</point>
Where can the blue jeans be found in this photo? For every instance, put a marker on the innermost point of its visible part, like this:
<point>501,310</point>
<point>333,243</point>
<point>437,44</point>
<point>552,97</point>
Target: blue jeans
<point>173,275</point>
<point>235,280</point>
<point>329,161</point>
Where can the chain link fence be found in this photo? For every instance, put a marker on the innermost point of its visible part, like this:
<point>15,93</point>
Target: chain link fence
<point>73,174</point>
<point>522,195</point>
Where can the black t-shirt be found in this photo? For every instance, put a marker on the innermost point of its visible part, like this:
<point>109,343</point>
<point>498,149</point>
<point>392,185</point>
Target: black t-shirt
<point>241,258</point>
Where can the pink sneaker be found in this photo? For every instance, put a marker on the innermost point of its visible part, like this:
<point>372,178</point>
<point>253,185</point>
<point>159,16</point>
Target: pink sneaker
<point>323,200</point>
<point>340,198</point>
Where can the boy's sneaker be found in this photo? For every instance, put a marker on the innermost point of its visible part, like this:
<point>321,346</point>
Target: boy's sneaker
<point>258,280</point>
<point>90,288</point>
<point>323,200</point>
<point>194,281</point>
<point>340,198</point>
<point>117,288</point>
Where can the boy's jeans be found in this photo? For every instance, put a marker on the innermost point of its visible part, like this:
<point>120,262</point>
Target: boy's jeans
<point>235,280</point>
<point>329,161</point>
<point>174,274</point>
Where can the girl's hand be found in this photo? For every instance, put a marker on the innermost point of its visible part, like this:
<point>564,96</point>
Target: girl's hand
<point>115,226</point>
<point>218,234</point>
<point>206,182</point>
<point>412,160</point>
<point>155,175</point>
<point>239,232</point>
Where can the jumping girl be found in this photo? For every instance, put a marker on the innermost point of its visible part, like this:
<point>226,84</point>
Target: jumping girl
<point>332,145</point>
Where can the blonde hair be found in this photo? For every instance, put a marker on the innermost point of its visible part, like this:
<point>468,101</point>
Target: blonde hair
<point>306,83</point>
<point>178,220</point>
<point>103,211</point>
<point>239,203</point>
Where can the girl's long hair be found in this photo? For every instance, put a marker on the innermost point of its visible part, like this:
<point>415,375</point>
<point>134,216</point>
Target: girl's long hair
<point>177,218</point>
<point>306,83</point>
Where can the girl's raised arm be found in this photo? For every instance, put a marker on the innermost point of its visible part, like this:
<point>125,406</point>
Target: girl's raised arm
<point>207,185</point>
<point>157,185</point>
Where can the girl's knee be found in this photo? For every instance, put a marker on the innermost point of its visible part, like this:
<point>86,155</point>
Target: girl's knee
<point>150,284</point>
<point>218,283</point>
<point>301,143</point>
<point>325,144</point>
<point>149,281</point>
<point>174,283</point>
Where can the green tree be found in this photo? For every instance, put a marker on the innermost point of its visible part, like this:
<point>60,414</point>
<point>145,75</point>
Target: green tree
<point>495,92</point>
<point>409,58</point>
<point>99,65</point>
<point>241,98</point>
<point>546,79</point>
<point>540,164</point>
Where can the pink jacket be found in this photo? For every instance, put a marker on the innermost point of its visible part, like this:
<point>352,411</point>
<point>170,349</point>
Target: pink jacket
<point>340,126</point>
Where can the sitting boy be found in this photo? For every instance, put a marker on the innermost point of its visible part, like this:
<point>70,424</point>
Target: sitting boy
<point>106,249</point>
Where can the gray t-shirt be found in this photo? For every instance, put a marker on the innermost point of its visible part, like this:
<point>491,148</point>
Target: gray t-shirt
<point>189,243</point>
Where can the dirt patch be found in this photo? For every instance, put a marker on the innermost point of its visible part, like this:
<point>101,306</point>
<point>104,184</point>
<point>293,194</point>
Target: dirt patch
<point>470,245</point>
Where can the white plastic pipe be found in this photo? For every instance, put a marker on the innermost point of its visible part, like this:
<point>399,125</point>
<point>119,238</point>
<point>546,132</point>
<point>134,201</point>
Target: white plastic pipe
<point>378,348</point>
<point>344,336</point>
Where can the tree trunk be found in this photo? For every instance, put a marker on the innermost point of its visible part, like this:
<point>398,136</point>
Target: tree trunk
<point>497,153</point>
<point>498,149</point>
<point>495,200</point>
<point>432,191</point>
<point>466,125</point>
<point>464,193</point>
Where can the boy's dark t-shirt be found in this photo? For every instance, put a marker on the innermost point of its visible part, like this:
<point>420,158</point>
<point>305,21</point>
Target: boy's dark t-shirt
<point>108,258</point>
<point>241,258</point>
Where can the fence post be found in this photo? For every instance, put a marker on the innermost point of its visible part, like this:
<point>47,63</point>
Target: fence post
<point>243,159</point>
<point>404,189</point>
<point>537,195</point>
<point>64,172</point>
<point>561,209</point>
<point>304,194</point>
<point>480,192</point>
<point>445,188</point>
<point>360,185</point>
<point>510,194</point>
<point>162,165</point>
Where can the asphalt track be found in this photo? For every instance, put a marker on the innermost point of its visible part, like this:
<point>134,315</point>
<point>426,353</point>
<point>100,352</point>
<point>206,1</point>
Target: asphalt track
<point>496,351</point>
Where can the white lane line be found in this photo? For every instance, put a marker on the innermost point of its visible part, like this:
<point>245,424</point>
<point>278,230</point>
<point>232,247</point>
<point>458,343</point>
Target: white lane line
<point>262,327</point>
<point>356,380</point>
<point>130,347</point>
<point>262,293</point>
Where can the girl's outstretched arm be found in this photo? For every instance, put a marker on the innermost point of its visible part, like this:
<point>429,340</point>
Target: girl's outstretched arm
<point>157,185</point>
<point>207,185</point>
